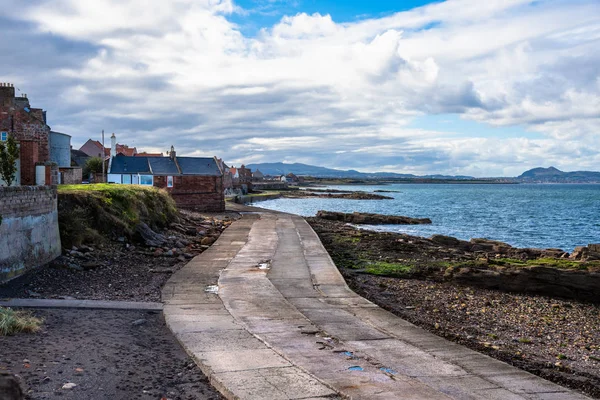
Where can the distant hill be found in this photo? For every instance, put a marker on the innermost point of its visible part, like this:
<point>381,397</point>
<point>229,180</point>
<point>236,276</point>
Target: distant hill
<point>554,175</point>
<point>280,168</point>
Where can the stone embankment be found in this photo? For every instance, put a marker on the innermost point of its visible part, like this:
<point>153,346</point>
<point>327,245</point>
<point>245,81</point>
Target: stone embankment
<point>371,219</point>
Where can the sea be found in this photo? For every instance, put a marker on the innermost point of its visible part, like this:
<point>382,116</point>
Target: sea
<point>560,216</point>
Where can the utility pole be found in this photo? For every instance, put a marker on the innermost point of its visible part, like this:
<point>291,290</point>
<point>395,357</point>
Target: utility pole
<point>103,156</point>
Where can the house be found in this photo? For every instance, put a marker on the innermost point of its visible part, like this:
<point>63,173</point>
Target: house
<point>93,148</point>
<point>258,176</point>
<point>193,182</point>
<point>28,126</point>
<point>227,176</point>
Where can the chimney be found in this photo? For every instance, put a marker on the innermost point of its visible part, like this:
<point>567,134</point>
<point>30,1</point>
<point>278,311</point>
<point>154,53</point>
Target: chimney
<point>113,146</point>
<point>172,153</point>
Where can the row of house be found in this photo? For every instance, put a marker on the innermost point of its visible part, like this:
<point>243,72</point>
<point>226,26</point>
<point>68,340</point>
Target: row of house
<point>47,158</point>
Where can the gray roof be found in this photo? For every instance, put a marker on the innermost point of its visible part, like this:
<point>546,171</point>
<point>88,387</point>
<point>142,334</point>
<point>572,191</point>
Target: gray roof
<point>129,165</point>
<point>164,166</point>
<point>198,166</point>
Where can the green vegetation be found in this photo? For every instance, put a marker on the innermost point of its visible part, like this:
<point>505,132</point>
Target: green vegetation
<point>558,263</point>
<point>86,212</point>
<point>9,154</point>
<point>92,165</point>
<point>12,322</point>
<point>388,269</point>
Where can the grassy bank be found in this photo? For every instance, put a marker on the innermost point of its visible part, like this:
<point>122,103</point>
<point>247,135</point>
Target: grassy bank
<point>86,213</point>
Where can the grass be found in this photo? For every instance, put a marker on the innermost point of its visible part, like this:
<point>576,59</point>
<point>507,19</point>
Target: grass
<point>87,211</point>
<point>12,322</point>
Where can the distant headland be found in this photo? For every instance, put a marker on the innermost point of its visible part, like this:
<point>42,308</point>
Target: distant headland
<point>535,175</point>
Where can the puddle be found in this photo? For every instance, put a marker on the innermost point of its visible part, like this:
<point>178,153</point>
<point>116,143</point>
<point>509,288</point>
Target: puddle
<point>212,289</point>
<point>264,265</point>
<point>388,371</point>
<point>355,368</point>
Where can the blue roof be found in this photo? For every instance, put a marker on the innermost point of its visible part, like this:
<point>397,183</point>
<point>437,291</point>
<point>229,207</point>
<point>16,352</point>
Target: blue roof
<point>129,165</point>
<point>198,166</point>
<point>164,166</point>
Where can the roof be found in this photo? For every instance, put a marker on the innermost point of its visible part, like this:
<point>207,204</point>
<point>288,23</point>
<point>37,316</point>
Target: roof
<point>59,133</point>
<point>198,166</point>
<point>144,154</point>
<point>164,166</point>
<point>129,165</point>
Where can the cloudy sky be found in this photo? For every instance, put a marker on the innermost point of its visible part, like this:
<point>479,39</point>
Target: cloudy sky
<point>483,88</point>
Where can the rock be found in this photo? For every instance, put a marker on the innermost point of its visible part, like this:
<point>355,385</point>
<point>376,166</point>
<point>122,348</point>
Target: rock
<point>168,253</point>
<point>9,387</point>
<point>139,322</point>
<point>445,240</point>
<point>91,265</point>
<point>149,237</point>
<point>207,241</point>
<point>371,219</point>
<point>188,255</point>
<point>181,258</point>
<point>158,252</point>
<point>179,245</point>
<point>121,239</point>
<point>75,267</point>
<point>69,385</point>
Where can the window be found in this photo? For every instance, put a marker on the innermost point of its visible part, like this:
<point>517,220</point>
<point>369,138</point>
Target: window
<point>127,179</point>
<point>146,180</point>
<point>169,181</point>
<point>3,136</point>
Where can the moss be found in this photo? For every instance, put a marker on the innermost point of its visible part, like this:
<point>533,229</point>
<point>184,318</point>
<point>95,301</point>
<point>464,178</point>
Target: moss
<point>389,269</point>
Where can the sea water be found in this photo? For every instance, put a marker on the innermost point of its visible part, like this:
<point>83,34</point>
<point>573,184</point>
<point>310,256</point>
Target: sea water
<point>523,215</point>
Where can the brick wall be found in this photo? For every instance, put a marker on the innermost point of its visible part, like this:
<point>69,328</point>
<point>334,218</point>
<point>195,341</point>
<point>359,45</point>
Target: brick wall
<point>29,234</point>
<point>202,193</point>
<point>71,175</point>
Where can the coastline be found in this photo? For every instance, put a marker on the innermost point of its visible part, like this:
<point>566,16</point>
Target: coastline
<point>551,337</point>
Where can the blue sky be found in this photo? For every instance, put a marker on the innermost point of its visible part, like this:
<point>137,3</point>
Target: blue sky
<point>265,13</point>
<point>469,87</point>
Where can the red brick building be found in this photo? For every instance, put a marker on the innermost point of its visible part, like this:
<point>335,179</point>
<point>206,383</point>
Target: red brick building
<point>193,182</point>
<point>93,148</point>
<point>28,126</point>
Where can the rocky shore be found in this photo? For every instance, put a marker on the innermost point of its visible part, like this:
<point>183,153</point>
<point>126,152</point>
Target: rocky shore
<point>302,194</point>
<point>371,219</point>
<point>433,283</point>
<point>123,269</point>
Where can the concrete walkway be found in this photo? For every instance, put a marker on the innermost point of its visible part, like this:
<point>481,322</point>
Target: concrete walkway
<point>88,304</point>
<point>267,315</point>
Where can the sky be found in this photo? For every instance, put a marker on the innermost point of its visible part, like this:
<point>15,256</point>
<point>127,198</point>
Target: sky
<point>462,87</point>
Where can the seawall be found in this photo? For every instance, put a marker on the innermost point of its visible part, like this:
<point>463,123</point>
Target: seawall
<point>29,234</point>
<point>256,199</point>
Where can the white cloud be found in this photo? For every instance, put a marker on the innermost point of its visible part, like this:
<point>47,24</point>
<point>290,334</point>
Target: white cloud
<point>309,88</point>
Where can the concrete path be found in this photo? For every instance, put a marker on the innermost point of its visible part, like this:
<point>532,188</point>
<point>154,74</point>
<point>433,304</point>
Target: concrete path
<point>267,315</point>
<point>74,303</point>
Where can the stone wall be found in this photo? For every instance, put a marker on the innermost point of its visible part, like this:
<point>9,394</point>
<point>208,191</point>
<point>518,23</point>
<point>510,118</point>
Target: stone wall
<point>202,193</point>
<point>73,175</point>
<point>29,235</point>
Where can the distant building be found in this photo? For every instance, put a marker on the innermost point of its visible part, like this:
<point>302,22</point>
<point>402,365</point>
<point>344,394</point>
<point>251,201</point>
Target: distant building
<point>258,176</point>
<point>93,148</point>
<point>193,182</point>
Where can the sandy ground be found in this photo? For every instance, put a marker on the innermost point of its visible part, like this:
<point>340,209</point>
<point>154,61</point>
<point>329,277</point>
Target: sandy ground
<point>107,354</point>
